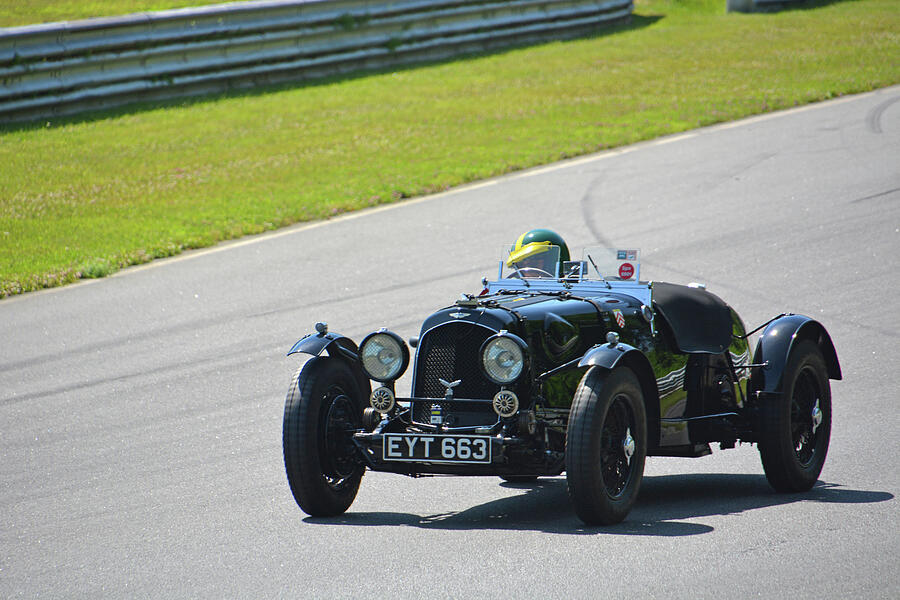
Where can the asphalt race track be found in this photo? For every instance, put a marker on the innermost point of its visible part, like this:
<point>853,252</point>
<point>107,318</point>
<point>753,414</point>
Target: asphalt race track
<point>141,414</point>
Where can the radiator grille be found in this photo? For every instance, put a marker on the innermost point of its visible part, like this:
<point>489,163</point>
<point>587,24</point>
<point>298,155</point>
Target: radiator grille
<point>450,352</point>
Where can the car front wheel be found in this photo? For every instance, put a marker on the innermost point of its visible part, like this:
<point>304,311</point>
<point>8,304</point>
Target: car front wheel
<point>321,411</point>
<point>606,445</point>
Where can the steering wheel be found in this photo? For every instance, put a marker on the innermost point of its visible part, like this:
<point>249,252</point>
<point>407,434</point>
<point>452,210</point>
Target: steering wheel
<point>530,272</point>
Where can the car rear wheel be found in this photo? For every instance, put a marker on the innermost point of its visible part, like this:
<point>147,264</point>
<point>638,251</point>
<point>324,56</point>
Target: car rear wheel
<point>796,426</point>
<point>606,445</point>
<point>321,411</point>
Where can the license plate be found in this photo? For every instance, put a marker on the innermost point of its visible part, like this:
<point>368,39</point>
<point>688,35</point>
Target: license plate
<point>436,448</point>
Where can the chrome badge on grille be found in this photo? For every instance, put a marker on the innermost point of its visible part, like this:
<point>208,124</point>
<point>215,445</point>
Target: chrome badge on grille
<point>449,385</point>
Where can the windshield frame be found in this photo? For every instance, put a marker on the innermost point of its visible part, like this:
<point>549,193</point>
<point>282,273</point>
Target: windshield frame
<point>542,263</point>
<point>597,263</point>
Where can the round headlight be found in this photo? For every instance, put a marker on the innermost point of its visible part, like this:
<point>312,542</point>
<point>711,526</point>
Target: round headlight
<point>502,359</point>
<point>384,356</point>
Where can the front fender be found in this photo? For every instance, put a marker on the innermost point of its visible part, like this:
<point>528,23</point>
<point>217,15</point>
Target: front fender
<point>609,357</point>
<point>775,345</point>
<point>334,343</point>
<point>337,346</point>
<point>606,356</point>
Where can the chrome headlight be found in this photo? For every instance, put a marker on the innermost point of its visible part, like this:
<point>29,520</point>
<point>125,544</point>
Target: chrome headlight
<point>384,356</point>
<point>503,357</point>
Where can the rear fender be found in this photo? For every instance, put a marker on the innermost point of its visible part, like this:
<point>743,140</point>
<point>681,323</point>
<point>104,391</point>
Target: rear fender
<point>608,357</point>
<point>775,345</point>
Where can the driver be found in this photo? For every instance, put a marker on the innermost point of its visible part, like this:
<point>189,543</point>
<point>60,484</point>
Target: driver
<point>530,251</point>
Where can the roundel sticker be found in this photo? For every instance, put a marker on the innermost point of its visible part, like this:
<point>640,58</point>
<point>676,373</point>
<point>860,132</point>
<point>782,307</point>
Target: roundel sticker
<point>626,271</point>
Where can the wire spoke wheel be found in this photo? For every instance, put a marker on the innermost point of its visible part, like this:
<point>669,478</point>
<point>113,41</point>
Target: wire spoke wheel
<point>805,416</point>
<point>338,454</point>
<point>606,445</point>
<point>338,458</point>
<point>614,438</point>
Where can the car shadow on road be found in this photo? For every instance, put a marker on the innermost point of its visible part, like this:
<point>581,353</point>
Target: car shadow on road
<point>664,505</point>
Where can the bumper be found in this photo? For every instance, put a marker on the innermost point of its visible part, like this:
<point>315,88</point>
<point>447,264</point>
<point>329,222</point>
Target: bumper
<point>508,456</point>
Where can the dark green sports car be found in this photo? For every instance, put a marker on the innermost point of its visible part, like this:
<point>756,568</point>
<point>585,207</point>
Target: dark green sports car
<point>573,366</point>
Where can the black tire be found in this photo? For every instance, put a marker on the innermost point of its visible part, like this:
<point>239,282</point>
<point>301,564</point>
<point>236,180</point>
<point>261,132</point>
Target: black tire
<point>603,480</point>
<point>323,466</point>
<point>796,426</point>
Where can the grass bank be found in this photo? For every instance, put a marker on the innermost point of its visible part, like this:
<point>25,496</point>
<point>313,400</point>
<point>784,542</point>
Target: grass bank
<point>28,12</point>
<point>84,198</point>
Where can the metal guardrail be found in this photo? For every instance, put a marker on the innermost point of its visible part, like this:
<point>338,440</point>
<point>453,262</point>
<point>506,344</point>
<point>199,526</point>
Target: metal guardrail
<point>63,68</point>
<point>748,6</point>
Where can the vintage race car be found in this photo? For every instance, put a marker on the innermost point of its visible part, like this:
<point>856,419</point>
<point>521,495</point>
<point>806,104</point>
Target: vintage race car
<point>579,367</point>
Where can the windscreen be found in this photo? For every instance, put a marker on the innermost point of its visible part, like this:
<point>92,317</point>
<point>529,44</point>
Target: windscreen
<point>612,264</point>
<point>535,261</point>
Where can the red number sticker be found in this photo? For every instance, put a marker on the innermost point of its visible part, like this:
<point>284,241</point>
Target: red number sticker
<point>626,271</point>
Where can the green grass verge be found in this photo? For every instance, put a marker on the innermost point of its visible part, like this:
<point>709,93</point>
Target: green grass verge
<point>81,199</point>
<point>28,12</point>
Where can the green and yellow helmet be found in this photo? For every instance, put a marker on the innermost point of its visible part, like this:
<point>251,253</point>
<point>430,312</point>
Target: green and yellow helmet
<point>535,242</point>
